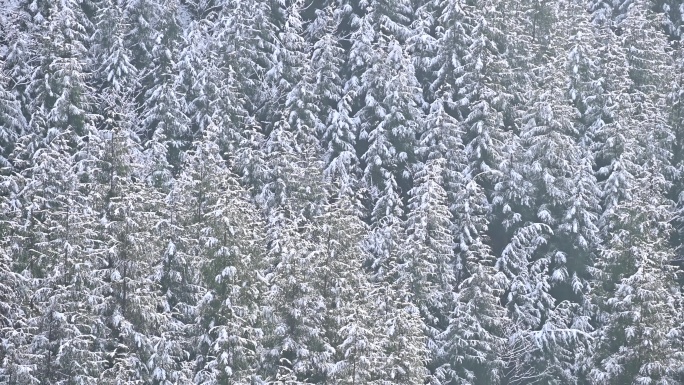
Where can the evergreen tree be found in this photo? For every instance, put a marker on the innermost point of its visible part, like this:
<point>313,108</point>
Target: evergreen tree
<point>474,350</point>
<point>293,181</point>
<point>125,297</point>
<point>295,305</point>
<point>113,60</point>
<point>61,95</point>
<point>11,120</point>
<point>345,290</point>
<point>21,22</point>
<point>376,56</point>
<point>209,89</point>
<point>636,341</point>
<point>246,35</point>
<point>16,369</point>
<point>227,245</point>
<point>427,258</point>
<point>61,345</point>
<point>164,119</point>
<point>608,12</point>
<point>448,61</point>
<point>564,194</point>
<point>151,35</point>
<point>482,95</point>
<point>651,75</point>
<point>350,191</point>
<point>390,121</point>
<point>14,288</point>
<point>442,140</point>
<point>338,130</point>
<point>358,351</point>
<point>675,99</point>
<point>404,353</point>
<point>296,351</point>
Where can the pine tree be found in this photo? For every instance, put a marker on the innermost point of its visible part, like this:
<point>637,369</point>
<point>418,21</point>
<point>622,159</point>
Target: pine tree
<point>21,22</point>
<point>612,131</point>
<point>442,140</point>
<point>553,167</point>
<point>292,182</point>
<point>209,89</point>
<point>358,351</point>
<point>528,301</point>
<point>350,191</point>
<point>151,35</point>
<point>294,195</point>
<point>423,44</point>
<point>165,120</point>
<point>448,61</point>
<point>174,273</point>
<point>13,289</point>
<point>113,68</point>
<point>16,368</point>
<point>651,74</point>
<point>302,102</point>
<point>608,12</point>
<point>295,310</point>
<point>675,99</point>
<point>563,195</point>
<point>483,96</point>
<point>56,265</point>
<point>404,355</point>
<point>590,81</point>
<point>376,56</point>
<point>674,17</point>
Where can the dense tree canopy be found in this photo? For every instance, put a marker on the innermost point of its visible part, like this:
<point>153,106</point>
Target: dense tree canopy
<point>341,192</point>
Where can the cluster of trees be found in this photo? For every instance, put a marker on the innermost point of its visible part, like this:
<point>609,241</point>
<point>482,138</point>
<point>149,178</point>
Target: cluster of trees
<point>378,192</point>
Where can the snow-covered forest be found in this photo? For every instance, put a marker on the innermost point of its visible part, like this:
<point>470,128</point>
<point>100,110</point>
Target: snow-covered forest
<point>442,192</point>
